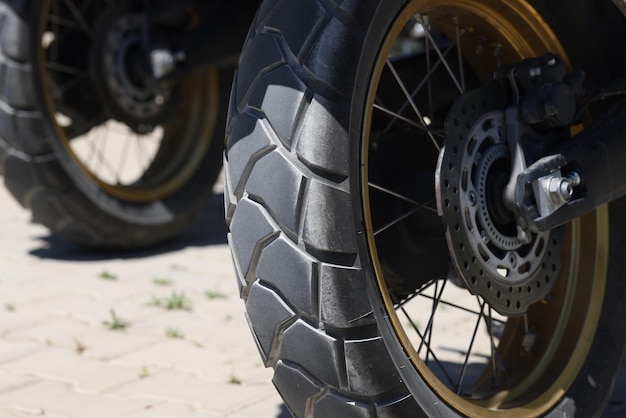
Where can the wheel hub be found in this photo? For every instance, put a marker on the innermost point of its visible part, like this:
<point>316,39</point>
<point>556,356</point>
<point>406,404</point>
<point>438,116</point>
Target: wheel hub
<point>123,72</point>
<point>473,170</point>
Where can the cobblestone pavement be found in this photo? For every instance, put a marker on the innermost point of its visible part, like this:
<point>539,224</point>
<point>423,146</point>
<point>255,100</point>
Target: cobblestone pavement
<point>89,334</point>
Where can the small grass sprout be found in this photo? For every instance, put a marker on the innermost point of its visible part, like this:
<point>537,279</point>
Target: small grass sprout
<point>144,372</point>
<point>107,275</point>
<point>162,281</point>
<point>172,332</point>
<point>174,302</point>
<point>234,380</point>
<point>215,294</point>
<point>116,323</point>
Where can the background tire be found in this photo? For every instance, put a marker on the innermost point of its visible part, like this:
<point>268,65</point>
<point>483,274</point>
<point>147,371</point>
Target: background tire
<point>300,220</point>
<point>47,171</point>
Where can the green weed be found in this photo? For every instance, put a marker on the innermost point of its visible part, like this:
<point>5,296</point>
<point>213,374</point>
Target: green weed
<point>174,302</point>
<point>172,332</point>
<point>116,323</point>
<point>107,275</point>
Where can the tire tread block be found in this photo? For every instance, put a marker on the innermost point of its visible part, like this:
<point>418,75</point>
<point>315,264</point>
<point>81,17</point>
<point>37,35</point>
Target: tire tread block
<point>263,302</point>
<point>314,351</point>
<point>249,229</point>
<point>328,229</point>
<point>341,301</point>
<point>291,273</point>
<point>277,185</point>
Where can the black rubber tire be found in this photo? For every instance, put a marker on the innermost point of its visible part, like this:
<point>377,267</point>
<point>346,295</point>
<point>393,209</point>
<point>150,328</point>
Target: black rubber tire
<point>46,182</point>
<point>293,208</point>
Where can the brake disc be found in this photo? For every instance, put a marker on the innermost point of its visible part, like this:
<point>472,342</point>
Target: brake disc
<point>473,170</point>
<point>122,74</point>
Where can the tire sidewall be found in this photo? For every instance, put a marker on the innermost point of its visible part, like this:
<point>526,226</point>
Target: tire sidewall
<point>386,14</point>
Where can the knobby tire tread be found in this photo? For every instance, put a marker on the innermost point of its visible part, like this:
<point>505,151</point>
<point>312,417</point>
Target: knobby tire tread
<point>279,194</point>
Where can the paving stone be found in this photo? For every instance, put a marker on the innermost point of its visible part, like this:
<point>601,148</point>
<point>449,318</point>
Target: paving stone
<point>14,350</point>
<point>11,382</point>
<point>51,398</point>
<point>68,366</point>
<point>90,341</point>
<point>208,396</point>
<point>52,304</point>
<point>266,408</point>
<point>184,356</point>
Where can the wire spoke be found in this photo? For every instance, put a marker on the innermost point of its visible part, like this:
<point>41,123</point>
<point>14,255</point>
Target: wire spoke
<point>414,326</point>
<point>492,345</point>
<point>404,119</point>
<point>80,19</point>
<point>471,345</point>
<point>435,305</point>
<point>98,152</point>
<point>406,93</point>
<point>424,21</point>
<point>421,85</point>
<point>400,219</point>
<point>122,162</point>
<point>414,295</point>
<point>399,196</point>
<point>55,66</point>
<point>458,34</point>
<point>471,311</point>
<point>64,88</point>
<point>58,21</point>
<point>145,157</point>
<point>85,5</point>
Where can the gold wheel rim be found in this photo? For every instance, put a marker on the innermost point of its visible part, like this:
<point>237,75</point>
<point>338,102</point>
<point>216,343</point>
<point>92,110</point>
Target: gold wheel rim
<point>519,32</point>
<point>163,162</point>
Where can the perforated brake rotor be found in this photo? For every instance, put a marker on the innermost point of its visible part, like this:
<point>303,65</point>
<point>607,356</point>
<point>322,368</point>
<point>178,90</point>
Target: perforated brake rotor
<point>473,169</point>
<point>122,74</point>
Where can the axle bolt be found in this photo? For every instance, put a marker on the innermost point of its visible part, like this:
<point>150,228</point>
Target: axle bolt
<point>575,178</point>
<point>561,190</point>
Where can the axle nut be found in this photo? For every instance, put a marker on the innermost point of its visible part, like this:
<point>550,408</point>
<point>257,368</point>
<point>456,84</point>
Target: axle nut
<point>561,190</point>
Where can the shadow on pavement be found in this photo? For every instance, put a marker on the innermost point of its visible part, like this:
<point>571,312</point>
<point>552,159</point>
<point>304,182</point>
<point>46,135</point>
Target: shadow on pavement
<point>284,412</point>
<point>206,229</point>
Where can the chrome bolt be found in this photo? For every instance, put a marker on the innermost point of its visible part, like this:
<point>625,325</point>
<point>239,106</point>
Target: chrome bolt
<point>513,260</point>
<point>472,198</point>
<point>575,179</point>
<point>561,190</point>
<point>164,62</point>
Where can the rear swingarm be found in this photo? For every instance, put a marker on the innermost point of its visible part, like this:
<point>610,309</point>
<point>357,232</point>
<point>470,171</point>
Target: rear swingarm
<point>581,174</point>
<point>187,36</point>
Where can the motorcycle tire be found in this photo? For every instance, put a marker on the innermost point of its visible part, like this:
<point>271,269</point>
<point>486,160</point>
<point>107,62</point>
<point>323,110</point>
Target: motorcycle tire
<point>339,252</point>
<point>99,156</point>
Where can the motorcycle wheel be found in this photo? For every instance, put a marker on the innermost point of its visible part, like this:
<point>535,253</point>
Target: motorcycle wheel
<point>98,154</point>
<point>340,254</point>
